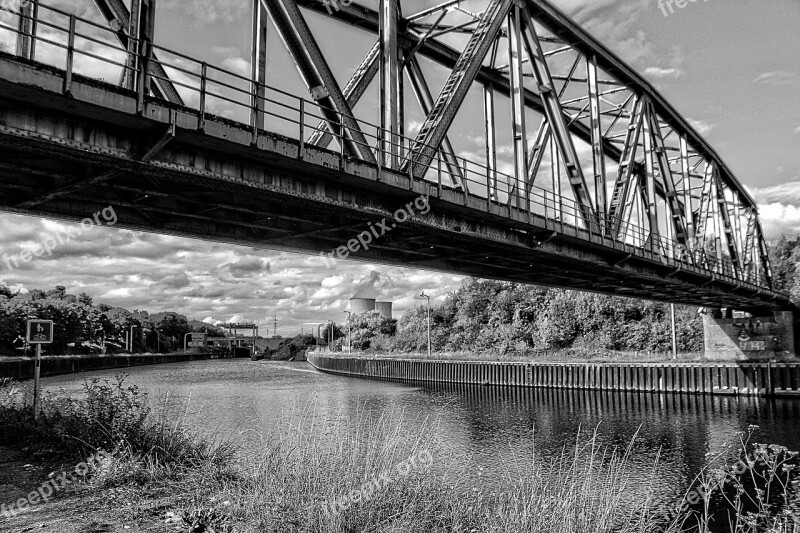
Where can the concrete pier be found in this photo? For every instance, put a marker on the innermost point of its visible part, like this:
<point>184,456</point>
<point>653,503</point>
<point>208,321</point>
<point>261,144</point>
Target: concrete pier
<point>727,336</point>
<point>755,379</point>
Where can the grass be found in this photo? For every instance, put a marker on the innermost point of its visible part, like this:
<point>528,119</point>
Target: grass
<point>333,478</point>
<point>567,355</point>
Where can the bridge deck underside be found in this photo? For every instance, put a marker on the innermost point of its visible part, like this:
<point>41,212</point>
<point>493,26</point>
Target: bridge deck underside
<point>69,156</point>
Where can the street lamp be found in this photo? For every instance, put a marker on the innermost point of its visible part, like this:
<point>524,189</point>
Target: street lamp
<point>349,335</point>
<point>423,295</point>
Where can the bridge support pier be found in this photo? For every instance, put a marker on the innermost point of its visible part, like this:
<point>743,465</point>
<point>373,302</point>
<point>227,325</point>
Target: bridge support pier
<point>731,335</point>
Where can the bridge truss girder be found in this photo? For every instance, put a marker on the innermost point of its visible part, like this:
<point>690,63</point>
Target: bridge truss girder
<point>671,190</point>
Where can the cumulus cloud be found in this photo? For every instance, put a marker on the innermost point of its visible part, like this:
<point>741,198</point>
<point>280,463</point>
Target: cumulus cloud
<point>247,266</point>
<point>779,208</point>
<point>204,280</point>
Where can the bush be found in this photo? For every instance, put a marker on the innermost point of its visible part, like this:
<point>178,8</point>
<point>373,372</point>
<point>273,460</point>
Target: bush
<point>113,417</point>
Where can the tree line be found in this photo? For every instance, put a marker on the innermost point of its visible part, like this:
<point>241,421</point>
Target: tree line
<point>83,326</point>
<point>510,318</point>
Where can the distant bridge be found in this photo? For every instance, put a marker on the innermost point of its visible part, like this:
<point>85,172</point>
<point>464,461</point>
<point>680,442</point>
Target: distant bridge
<point>608,188</point>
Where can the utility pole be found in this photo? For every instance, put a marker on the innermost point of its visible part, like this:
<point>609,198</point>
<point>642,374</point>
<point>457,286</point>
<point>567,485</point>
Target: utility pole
<point>674,334</point>
<point>349,334</point>
<point>423,295</point>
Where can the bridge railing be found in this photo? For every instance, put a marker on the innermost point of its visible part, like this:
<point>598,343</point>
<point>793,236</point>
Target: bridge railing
<point>83,47</point>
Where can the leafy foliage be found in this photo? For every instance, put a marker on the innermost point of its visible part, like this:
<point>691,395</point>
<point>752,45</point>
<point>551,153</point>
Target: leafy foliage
<point>507,318</point>
<point>81,325</point>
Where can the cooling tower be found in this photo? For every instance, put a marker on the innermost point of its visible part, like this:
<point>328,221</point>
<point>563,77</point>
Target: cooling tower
<point>361,305</point>
<point>384,308</point>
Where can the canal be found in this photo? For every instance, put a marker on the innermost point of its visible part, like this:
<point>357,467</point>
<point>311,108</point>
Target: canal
<point>488,428</point>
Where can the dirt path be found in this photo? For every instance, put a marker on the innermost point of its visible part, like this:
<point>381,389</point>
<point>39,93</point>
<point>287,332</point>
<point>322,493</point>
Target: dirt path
<point>78,509</point>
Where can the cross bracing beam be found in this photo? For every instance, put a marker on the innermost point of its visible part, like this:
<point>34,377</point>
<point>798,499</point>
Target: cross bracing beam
<point>455,89</point>
<point>557,120</point>
<point>353,90</point>
<point>667,178</point>
<point>425,100</point>
<point>579,122</point>
<point>318,76</point>
<point>564,31</point>
<point>127,24</point>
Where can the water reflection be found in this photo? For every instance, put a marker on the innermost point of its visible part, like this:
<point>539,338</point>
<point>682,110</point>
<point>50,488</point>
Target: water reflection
<point>493,427</point>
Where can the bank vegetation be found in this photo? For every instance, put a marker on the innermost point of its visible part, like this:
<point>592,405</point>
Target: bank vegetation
<point>350,477</point>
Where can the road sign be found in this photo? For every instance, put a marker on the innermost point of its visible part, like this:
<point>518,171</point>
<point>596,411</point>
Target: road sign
<point>40,331</point>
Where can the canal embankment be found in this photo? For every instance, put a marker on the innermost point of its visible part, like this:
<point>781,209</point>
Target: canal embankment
<point>23,367</point>
<point>754,379</point>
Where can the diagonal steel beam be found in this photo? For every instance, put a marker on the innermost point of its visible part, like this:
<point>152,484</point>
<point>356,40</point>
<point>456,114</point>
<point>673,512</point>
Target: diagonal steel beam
<point>519,131</point>
<point>558,122</point>
<point>625,172</point>
<point>449,101</point>
<point>26,30</point>
<point>727,227</point>
<point>318,77</point>
<point>649,186</point>
<point>258,66</point>
<point>353,91</point>
<point>543,134</point>
<point>670,191</point>
<point>118,16</point>
<point>598,156</point>
<point>425,99</point>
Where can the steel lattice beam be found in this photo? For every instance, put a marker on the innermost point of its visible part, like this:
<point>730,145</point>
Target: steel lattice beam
<point>318,77</point>
<point>353,91</point>
<point>455,89</point>
<point>118,16</point>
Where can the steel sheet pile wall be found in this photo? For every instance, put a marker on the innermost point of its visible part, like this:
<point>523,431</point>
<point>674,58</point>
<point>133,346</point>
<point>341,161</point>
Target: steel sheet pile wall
<point>723,378</point>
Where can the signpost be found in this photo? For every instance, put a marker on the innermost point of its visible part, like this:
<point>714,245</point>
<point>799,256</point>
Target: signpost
<point>39,332</point>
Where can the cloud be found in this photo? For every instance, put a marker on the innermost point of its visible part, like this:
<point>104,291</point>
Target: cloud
<point>243,268</point>
<point>797,129</point>
<point>237,65</point>
<point>785,192</point>
<point>209,12</point>
<point>778,77</point>
<point>778,208</point>
<point>701,126</point>
<point>656,72</point>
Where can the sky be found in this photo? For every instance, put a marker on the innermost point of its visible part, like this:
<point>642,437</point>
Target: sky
<point>730,66</point>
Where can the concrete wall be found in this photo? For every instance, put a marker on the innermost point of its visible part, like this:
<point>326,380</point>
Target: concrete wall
<point>749,338</point>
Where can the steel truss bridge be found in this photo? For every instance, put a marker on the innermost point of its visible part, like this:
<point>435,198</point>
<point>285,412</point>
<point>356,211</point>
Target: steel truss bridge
<point>586,177</point>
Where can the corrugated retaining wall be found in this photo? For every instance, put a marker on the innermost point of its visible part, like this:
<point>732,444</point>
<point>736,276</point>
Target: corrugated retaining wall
<point>55,365</point>
<point>763,379</point>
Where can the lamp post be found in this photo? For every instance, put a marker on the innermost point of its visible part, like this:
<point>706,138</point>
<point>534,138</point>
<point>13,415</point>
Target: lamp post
<point>349,335</point>
<point>428,298</point>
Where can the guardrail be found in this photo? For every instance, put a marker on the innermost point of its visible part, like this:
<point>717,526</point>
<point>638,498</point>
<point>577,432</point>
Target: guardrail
<point>81,46</point>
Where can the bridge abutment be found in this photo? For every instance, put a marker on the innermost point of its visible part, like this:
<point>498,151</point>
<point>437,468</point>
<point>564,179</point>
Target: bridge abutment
<point>731,335</point>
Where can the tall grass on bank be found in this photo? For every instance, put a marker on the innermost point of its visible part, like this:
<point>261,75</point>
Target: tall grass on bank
<point>310,477</point>
<point>303,469</point>
<point>112,417</point>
